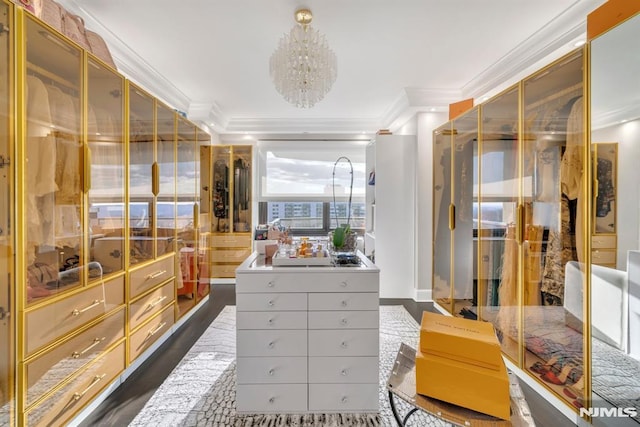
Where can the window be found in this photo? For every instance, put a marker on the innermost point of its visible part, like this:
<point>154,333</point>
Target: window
<point>296,184</point>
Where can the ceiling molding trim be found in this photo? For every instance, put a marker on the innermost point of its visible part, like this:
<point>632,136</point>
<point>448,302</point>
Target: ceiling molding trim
<point>413,100</point>
<point>130,64</point>
<point>209,113</point>
<point>563,29</point>
<point>288,125</point>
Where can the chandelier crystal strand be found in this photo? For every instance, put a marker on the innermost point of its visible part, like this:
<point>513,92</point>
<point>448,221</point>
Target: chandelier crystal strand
<point>303,67</point>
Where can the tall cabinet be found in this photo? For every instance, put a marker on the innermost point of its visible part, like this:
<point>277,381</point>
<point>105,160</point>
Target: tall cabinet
<point>511,223</point>
<point>390,202</point>
<point>96,222</point>
<point>7,224</point>
<point>230,238</point>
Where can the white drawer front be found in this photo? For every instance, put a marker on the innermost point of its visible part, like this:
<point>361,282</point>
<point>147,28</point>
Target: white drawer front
<point>272,370</point>
<point>339,281</point>
<point>325,370</point>
<point>344,301</point>
<point>271,343</point>
<point>346,342</point>
<point>271,302</point>
<point>341,397</point>
<point>344,320</point>
<point>270,398</point>
<point>271,320</point>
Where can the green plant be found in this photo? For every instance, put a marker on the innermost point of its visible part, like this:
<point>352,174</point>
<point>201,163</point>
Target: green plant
<point>340,235</point>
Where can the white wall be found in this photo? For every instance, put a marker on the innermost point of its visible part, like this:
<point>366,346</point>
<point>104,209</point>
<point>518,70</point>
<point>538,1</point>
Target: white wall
<point>426,123</point>
<point>627,135</point>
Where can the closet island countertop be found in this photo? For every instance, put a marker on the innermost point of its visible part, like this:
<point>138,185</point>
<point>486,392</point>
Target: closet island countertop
<point>256,263</point>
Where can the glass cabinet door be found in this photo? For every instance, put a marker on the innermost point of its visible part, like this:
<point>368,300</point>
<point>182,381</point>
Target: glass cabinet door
<point>498,260</point>
<point>187,212</point>
<point>105,139</point>
<point>203,194</point>
<point>165,204</point>
<point>441,220</point>
<point>7,276</point>
<point>53,172</point>
<point>464,184</point>
<point>141,176</point>
<point>220,190</point>
<point>554,160</point>
<point>241,188</point>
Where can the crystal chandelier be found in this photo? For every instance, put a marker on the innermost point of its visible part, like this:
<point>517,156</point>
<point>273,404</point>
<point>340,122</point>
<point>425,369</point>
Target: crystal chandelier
<point>303,67</point>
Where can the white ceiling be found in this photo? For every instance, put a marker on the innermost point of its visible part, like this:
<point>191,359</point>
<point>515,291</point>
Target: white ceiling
<point>210,58</point>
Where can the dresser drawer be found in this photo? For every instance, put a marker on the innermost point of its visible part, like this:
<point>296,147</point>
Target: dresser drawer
<point>271,320</point>
<point>58,364</point>
<point>271,343</point>
<point>346,342</point>
<point>236,256</point>
<point>343,397</point>
<point>46,324</point>
<point>230,241</point>
<point>73,396</point>
<point>603,257</point>
<point>271,302</point>
<point>326,370</point>
<point>150,332</point>
<point>605,241</point>
<point>150,304</point>
<point>271,398</point>
<point>146,277</point>
<point>344,320</point>
<point>304,282</point>
<point>272,370</point>
<point>344,301</point>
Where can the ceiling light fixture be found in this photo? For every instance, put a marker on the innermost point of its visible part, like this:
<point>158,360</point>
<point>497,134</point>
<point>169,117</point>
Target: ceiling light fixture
<point>303,67</point>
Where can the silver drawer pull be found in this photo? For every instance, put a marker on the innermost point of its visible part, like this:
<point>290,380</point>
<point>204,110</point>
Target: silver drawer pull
<point>77,312</point>
<point>157,301</point>
<point>271,303</point>
<point>271,321</point>
<point>344,399</point>
<point>343,303</point>
<point>271,372</point>
<point>272,344</point>
<point>343,283</point>
<point>154,331</point>
<point>343,372</point>
<point>96,341</point>
<point>96,380</point>
<point>272,399</point>
<point>271,283</point>
<point>155,275</point>
<point>343,344</point>
<point>343,321</point>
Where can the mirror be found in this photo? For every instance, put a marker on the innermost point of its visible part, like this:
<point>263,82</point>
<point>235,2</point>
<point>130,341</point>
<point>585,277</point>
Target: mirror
<point>615,260</point>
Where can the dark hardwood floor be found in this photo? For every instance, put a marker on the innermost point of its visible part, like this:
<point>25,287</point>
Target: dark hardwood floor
<point>126,401</point>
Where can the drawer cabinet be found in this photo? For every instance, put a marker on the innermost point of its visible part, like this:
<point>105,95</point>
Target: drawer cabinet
<point>150,275</point>
<point>66,401</point>
<point>48,370</point>
<point>148,333</point>
<point>46,324</point>
<point>302,333</point>
<point>150,304</point>
<point>228,251</point>
<point>229,241</point>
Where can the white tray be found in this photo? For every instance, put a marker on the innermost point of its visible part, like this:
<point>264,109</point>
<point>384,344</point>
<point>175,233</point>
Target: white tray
<point>281,261</point>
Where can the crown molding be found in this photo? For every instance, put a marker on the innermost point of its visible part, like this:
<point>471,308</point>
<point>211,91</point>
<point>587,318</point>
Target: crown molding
<point>130,64</point>
<point>412,100</point>
<point>548,40</point>
<point>292,125</point>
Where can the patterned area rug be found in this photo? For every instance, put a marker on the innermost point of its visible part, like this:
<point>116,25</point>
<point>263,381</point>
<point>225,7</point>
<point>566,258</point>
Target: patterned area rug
<point>201,389</point>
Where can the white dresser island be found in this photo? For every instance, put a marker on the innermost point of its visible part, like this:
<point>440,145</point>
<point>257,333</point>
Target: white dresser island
<point>307,338</point>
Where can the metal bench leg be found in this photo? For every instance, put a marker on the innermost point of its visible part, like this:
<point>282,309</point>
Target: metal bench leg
<point>395,411</point>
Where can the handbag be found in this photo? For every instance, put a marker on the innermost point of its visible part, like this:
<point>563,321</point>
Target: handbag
<point>26,4</point>
<point>41,275</point>
<point>50,12</point>
<point>99,48</point>
<point>73,28</point>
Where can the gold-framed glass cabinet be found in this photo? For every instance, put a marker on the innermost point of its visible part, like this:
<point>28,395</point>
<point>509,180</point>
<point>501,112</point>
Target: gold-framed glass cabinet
<point>7,228</point>
<point>510,178</point>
